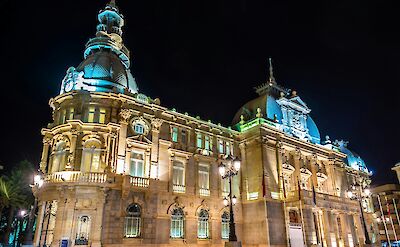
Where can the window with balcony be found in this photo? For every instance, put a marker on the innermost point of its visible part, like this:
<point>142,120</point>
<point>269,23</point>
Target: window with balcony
<point>133,221</point>
<point>136,168</point>
<point>203,228</point>
<point>204,179</point>
<point>225,225</point>
<point>91,157</point>
<point>177,223</point>
<point>83,230</point>
<point>174,134</point>
<point>178,177</point>
<point>59,159</point>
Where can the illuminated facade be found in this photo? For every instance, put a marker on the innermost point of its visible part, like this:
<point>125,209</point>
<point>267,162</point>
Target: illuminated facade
<point>121,169</point>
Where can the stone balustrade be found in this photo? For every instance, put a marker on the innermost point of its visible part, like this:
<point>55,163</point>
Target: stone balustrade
<point>204,192</point>
<point>139,182</point>
<point>177,188</point>
<point>76,176</point>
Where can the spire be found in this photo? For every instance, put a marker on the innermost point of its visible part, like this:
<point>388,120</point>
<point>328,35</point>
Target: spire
<point>271,72</point>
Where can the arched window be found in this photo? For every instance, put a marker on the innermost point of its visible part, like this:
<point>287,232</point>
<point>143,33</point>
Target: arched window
<point>83,230</point>
<point>202,225</point>
<point>91,157</point>
<point>132,221</point>
<point>177,223</point>
<point>225,225</point>
<point>59,157</point>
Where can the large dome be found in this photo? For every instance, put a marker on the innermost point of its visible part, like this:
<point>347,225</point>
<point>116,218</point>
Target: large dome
<point>105,71</point>
<point>270,108</point>
<point>352,160</point>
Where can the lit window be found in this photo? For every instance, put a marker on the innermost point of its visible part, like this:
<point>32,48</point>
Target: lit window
<point>174,134</point>
<point>91,157</point>
<point>199,141</point>
<point>59,157</point>
<point>139,129</point>
<point>137,165</point>
<point>178,173</point>
<point>177,223</point>
<point>204,176</point>
<point>63,116</point>
<point>132,221</point>
<point>91,113</point>
<point>225,225</point>
<point>225,186</point>
<point>220,146</point>
<point>82,235</point>
<point>202,226</point>
<point>228,148</point>
<point>207,143</point>
<point>102,116</point>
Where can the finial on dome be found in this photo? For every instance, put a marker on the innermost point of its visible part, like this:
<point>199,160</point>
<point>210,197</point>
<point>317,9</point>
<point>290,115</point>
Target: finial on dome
<point>112,3</point>
<point>271,72</point>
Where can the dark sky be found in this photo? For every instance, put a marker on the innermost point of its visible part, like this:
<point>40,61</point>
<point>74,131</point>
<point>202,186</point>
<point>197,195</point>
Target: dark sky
<point>205,57</point>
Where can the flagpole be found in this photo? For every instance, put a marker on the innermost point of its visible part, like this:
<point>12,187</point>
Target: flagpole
<point>301,213</point>
<point>397,214</point>
<point>384,220</point>
<point>391,219</point>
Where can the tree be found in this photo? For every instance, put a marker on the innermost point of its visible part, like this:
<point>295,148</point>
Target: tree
<point>15,192</point>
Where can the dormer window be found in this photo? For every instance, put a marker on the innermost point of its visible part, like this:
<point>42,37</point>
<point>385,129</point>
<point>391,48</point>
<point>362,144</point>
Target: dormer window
<point>139,129</point>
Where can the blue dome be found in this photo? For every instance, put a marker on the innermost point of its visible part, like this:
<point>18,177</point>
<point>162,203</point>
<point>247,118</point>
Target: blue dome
<point>352,160</point>
<point>273,109</point>
<point>313,131</point>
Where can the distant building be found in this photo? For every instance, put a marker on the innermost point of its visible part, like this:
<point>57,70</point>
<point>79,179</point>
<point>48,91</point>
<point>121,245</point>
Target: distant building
<point>121,169</point>
<point>386,202</point>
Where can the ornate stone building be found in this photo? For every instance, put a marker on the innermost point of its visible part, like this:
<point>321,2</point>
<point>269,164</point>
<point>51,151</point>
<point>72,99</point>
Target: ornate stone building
<point>121,169</point>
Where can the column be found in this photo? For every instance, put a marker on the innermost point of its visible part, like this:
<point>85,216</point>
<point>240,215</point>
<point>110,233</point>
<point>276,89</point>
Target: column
<point>72,150</point>
<point>124,114</point>
<point>279,153</point>
<point>155,148</point>
<point>45,153</point>
<point>39,222</point>
<point>327,228</point>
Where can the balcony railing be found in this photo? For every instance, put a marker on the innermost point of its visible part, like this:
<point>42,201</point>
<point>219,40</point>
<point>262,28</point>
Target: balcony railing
<point>76,176</point>
<point>178,188</point>
<point>204,192</point>
<point>139,182</point>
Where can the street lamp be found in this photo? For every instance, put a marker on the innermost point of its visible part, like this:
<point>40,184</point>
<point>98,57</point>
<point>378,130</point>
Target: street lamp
<point>37,184</point>
<point>360,193</point>
<point>229,170</point>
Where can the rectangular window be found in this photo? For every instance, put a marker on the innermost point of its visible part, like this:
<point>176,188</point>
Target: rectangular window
<point>91,113</point>
<point>132,227</point>
<point>90,160</point>
<point>228,148</point>
<point>184,137</point>
<point>70,113</point>
<point>63,114</point>
<point>102,116</point>
<point>199,141</point>
<point>204,176</point>
<point>220,146</point>
<point>174,134</point>
<point>207,143</point>
<point>136,168</point>
<point>178,173</point>
<point>225,186</point>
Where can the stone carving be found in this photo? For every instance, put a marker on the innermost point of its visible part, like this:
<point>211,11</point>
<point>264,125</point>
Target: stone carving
<point>125,114</point>
<point>156,123</point>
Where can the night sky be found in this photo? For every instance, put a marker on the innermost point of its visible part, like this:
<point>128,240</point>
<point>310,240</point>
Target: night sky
<point>205,57</point>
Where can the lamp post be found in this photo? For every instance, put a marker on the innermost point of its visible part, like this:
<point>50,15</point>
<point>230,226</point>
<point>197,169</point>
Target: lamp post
<point>228,171</point>
<point>37,183</point>
<point>360,191</point>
